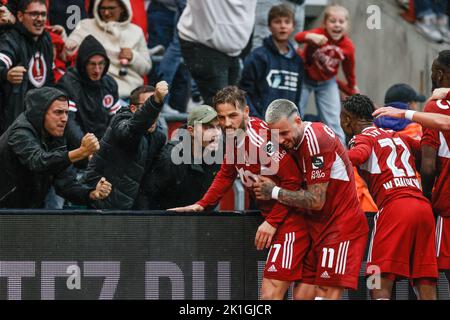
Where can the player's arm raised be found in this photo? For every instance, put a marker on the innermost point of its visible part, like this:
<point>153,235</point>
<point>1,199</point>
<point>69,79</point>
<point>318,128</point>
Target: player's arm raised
<point>311,199</point>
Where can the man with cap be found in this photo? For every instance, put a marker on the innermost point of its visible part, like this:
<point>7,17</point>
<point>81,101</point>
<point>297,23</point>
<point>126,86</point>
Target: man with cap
<point>33,155</point>
<point>401,96</point>
<point>182,174</point>
<point>126,149</point>
<point>93,95</point>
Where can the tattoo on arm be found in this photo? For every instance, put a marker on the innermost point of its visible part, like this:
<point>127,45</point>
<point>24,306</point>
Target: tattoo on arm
<point>314,198</point>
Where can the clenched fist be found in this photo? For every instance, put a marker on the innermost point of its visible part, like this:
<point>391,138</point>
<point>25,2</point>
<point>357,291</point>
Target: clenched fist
<point>15,75</point>
<point>102,190</point>
<point>161,90</point>
<point>89,144</point>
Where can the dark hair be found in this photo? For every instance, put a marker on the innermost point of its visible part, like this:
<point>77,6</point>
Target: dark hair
<point>281,10</point>
<point>23,4</point>
<point>124,15</point>
<point>444,58</point>
<point>134,95</point>
<point>360,106</point>
<point>232,95</point>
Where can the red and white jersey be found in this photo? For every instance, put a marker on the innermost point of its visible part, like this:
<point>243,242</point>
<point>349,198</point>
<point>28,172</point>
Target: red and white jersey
<point>324,159</point>
<point>247,163</point>
<point>439,141</point>
<point>385,162</point>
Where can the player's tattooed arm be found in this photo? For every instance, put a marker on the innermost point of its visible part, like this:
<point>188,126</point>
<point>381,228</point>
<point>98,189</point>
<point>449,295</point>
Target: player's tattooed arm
<point>313,199</point>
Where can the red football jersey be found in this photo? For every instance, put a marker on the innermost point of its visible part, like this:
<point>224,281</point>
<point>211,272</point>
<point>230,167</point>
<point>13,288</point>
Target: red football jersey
<point>248,164</point>
<point>324,159</point>
<point>384,161</point>
<point>439,141</point>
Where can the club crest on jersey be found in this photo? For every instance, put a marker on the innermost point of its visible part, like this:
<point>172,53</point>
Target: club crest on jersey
<point>37,70</point>
<point>108,101</point>
<point>317,162</point>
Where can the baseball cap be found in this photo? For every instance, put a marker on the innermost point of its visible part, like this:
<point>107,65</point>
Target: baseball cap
<point>201,114</point>
<point>402,92</point>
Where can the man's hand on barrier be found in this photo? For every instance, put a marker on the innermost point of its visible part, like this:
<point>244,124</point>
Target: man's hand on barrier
<point>264,235</point>
<point>161,90</point>
<point>191,208</point>
<point>89,144</point>
<point>102,190</point>
<point>263,188</point>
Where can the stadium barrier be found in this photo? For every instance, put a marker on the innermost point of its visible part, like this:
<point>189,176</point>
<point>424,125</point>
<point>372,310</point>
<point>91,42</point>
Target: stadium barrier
<point>82,254</point>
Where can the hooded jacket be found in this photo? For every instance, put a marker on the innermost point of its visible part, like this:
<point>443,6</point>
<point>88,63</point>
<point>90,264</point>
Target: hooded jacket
<point>114,36</point>
<point>269,75</point>
<point>393,123</point>
<point>31,161</point>
<point>91,103</point>
<point>17,48</point>
<point>127,150</point>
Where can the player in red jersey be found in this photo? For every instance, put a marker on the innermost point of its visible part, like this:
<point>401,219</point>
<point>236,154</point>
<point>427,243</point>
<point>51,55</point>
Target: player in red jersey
<point>402,244</point>
<point>284,228</point>
<point>337,226</point>
<point>436,163</point>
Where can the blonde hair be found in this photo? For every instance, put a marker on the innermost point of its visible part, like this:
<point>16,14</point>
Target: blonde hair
<point>335,7</point>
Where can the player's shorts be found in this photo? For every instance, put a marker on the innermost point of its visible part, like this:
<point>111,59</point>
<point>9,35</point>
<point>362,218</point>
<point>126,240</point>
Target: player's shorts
<point>443,243</point>
<point>335,265</point>
<point>402,241</point>
<point>285,259</point>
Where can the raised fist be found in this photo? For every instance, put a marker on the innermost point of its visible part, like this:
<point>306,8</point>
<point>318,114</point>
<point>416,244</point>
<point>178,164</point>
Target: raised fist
<point>90,144</point>
<point>161,90</point>
<point>15,75</point>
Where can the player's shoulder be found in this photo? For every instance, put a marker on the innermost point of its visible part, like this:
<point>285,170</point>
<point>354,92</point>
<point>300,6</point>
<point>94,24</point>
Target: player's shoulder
<point>438,106</point>
<point>319,136</point>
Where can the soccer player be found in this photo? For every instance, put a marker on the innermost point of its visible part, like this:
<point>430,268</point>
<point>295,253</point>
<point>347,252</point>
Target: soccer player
<point>436,163</point>
<point>337,226</point>
<point>284,228</point>
<point>402,244</point>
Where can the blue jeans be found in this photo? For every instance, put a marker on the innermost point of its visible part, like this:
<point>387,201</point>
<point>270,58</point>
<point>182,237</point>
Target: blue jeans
<point>53,201</point>
<point>427,7</point>
<point>328,103</point>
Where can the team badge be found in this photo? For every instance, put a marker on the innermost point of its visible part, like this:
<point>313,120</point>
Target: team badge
<point>37,70</point>
<point>108,101</point>
<point>317,162</point>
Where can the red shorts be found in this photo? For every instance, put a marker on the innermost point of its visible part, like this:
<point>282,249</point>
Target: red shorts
<point>402,242</point>
<point>443,243</point>
<point>286,255</point>
<point>335,265</point>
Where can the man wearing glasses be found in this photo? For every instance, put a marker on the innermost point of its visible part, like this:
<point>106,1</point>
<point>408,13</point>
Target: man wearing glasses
<point>26,59</point>
<point>93,95</point>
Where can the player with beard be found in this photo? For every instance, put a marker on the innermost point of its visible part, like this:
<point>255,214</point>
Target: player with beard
<point>436,163</point>
<point>284,228</point>
<point>26,59</point>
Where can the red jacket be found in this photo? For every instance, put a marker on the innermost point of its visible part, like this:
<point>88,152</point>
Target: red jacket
<point>322,63</point>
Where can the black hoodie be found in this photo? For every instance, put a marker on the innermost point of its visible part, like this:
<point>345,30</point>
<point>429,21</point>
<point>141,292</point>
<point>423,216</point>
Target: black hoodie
<point>17,48</point>
<point>31,160</point>
<point>92,103</point>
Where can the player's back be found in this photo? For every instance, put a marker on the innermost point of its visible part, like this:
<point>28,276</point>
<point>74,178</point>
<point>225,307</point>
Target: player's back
<point>389,171</point>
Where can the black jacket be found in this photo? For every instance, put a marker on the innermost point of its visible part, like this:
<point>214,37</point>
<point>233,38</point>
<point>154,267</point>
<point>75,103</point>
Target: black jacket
<point>92,103</point>
<point>126,151</point>
<point>31,160</point>
<point>17,48</point>
<point>169,185</point>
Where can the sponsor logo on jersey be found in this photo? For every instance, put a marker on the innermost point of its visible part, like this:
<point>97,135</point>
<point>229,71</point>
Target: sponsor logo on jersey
<point>270,149</point>
<point>317,174</point>
<point>108,101</point>
<point>325,275</point>
<point>317,162</point>
<point>272,269</point>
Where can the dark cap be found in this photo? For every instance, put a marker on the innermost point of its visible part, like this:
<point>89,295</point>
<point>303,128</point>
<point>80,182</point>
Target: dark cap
<point>201,114</point>
<point>402,93</point>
